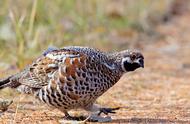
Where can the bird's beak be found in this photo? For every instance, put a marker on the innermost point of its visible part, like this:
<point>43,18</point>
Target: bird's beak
<point>140,62</point>
<point>142,65</point>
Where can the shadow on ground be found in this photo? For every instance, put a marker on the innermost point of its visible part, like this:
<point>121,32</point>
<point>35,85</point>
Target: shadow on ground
<point>147,120</point>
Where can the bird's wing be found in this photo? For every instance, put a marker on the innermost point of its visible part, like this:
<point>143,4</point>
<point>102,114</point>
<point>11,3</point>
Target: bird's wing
<point>55,64</point>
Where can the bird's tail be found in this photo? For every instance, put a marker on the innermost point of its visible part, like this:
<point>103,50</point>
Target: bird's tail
<point>8,82</point>
<point>5,82</point>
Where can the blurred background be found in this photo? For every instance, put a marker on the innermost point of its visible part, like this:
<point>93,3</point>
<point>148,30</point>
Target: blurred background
<point>158,28</point>
<point>29,27</point>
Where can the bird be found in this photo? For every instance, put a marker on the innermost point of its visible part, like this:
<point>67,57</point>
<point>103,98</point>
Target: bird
<point>73,77</point>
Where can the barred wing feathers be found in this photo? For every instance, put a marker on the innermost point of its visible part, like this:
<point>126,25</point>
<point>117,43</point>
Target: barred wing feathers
<point>54,67</point>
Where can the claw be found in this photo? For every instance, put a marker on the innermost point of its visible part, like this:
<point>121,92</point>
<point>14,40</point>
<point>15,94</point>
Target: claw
<point>108,110</point>
<point>95,118</point>
<point>68,117</point>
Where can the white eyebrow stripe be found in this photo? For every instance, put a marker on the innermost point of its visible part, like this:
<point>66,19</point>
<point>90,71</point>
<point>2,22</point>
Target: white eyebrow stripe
<point>138,60</point>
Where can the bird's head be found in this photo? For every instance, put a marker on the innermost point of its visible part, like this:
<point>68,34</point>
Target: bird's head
<point>130,60</point>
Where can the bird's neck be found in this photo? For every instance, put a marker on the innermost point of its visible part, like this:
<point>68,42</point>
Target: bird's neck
<point>116,59</point>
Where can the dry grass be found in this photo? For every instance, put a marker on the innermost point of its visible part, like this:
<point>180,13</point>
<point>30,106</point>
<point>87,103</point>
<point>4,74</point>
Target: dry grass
<point>29,27</point>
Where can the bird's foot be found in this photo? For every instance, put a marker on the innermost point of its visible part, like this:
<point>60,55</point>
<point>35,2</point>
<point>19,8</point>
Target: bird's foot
<point>78,118</point>
<point>106,111</point>
<point>97,118</point>
<point>91,118</point>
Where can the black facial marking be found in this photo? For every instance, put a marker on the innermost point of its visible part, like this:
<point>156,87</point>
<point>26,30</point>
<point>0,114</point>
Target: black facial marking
<point>131,66</point>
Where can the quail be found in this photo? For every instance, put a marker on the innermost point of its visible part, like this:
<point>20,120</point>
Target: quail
<point>74,77</point>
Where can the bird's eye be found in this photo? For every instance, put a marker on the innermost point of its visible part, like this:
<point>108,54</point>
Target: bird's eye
<point>133,56</point>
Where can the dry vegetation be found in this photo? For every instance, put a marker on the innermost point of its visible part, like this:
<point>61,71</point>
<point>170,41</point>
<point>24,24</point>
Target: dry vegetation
<point>159,93</point>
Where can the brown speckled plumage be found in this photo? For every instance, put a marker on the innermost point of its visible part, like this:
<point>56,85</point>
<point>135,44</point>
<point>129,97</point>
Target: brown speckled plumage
<point>73,77</point>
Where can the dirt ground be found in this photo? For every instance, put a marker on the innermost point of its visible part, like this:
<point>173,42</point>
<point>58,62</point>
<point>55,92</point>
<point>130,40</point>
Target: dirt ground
<point>159,93</point>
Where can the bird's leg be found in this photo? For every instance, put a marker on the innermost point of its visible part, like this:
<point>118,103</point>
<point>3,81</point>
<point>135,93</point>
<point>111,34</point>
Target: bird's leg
<point>97,110</point>
<point>69,117</point>
<point>108,110</point>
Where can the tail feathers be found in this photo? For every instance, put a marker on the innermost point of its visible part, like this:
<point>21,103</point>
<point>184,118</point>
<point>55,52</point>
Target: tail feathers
<point>4,82</point>
<point>8,82</point>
